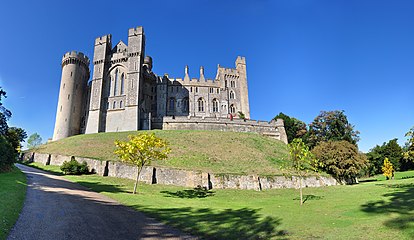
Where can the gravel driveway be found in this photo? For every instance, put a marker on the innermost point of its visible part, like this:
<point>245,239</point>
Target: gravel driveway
<point>56,208</point>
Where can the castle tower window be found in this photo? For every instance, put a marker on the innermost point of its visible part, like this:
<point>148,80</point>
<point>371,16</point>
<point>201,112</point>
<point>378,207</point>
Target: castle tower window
<point>191,89</point>
<point>218,90</point>
<point>225,83</point>
<point>233,84</point>
<point>196,89</point>
<point>211,90</point>
<point>215,105</point>
<point>184,104</point>
<point>171,105</point>
<point>200,105</point>
<point>114,105</point>
<point>232,95</point>
<point>116,82</point>
<point>122,84</point>
<point>232,109</point>
<point>120,104</point>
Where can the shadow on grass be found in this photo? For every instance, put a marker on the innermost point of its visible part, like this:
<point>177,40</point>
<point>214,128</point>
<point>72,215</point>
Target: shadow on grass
<point>245,223</point>
<point>198,192</point>
<point>401,202</point>
<point>100,187</point>
<point>309,197</point>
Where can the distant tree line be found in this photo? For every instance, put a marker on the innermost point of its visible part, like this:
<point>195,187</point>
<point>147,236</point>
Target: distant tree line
<point>10,137</point>
<point>333,141</point>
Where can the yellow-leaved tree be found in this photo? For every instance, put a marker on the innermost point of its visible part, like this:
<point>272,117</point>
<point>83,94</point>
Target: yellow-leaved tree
<point>140,150</point>
<point>302,162</point>
<point>388,169</point>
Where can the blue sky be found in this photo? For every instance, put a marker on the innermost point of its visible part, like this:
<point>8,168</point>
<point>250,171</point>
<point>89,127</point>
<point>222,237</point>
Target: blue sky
<point>302,56</point>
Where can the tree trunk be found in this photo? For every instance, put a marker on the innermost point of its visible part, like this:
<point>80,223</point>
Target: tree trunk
<point>136,181</point>
<point>300,189</point>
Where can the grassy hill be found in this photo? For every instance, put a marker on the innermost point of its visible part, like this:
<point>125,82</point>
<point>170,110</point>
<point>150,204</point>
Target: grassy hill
<point>209,151</point>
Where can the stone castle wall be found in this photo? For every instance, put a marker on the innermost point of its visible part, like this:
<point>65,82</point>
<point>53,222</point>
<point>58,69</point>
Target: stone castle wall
<point>184,178</point>
<point>274,129</point>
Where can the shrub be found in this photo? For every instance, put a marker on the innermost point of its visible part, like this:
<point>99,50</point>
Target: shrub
<point>7,155</point>
<point>73,167</point>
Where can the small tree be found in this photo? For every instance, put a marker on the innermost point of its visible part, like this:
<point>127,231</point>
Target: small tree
<point>140,150</point>
<point>302,162</point>
<point>34,140</point>
<point>388,169</point>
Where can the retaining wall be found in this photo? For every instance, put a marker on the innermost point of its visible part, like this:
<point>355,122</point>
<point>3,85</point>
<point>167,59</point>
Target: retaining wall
<point>185,178</point>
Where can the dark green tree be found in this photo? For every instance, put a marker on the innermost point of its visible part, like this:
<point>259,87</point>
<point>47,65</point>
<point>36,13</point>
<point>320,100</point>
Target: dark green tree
<point>15,136</point>
<point>5,114</point>
<point>391,150</point>
<point>294,128</point>
<point>34,140</point>
<point>7,154</point>
<point>331,126</point>
<point>341,159</point>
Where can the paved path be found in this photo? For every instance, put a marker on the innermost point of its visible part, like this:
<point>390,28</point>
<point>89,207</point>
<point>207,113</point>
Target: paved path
<point>56,208</point>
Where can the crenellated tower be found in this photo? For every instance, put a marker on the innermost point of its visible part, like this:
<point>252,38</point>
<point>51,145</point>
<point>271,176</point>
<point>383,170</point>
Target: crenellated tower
<point>72,95</point>
<point>102,47</point>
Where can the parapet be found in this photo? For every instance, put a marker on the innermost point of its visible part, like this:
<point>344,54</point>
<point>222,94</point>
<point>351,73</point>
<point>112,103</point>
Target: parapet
<point>104,39</point>
<point>135,31</point>
<point>75,56</point>
<point>240,60</point>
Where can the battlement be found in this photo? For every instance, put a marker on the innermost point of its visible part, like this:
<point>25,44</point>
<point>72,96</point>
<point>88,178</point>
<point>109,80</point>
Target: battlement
<point>135,31</point>
<point>74,56</point>
<point>104,39</point>
<point>240,60</point>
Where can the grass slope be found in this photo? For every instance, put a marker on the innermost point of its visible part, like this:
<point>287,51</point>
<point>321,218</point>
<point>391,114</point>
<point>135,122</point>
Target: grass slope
<point>373,209</point>
<point>217,152</point>
<point>12,195</point>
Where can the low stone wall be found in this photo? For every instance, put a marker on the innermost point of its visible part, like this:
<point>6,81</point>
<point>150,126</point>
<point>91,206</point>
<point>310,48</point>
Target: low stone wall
<point>274,129</point>
<point>185,178</point>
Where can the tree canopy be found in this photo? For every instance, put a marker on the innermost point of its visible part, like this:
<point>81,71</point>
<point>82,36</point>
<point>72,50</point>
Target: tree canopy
<point>140,150</point>
<point>390,150</point>
<point>331,126</point>
<point>34,140</point>
<point>341,159</point>
<point>294,128</point>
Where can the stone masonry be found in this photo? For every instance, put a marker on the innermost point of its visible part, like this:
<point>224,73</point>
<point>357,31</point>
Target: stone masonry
<point>124,94</point>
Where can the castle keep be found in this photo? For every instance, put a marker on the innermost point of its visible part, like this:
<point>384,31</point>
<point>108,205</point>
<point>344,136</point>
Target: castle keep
<point>124,94</point>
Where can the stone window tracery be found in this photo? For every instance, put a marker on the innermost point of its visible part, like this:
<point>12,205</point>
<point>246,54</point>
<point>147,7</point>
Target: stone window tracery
<point>232,95</point>
<point>232,109</point>
<point>200,105</point>
<point>215,105</point>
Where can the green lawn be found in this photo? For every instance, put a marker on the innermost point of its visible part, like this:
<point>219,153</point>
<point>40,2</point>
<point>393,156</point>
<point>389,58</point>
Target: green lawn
<point>370,210</point>
<point>207,151</point>
<point>12,195</point>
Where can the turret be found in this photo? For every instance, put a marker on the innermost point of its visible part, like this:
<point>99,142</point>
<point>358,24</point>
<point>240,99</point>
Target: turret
<point>244,95</point>
<point>73,87</point>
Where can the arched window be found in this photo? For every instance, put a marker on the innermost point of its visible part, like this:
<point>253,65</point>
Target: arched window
<point>215,105</point>
<point>232,109</point>
<point>116,83</point>
<point>232,95</point>
<point>233,84</point>
<point>114,105</point>
<point>120,104</point>
<point>184,105</point>
<point>200,105</point>
<point>122,83</point>
<point>171,104</point>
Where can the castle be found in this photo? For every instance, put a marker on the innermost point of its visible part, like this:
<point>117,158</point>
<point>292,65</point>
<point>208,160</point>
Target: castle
<point>125,95</point>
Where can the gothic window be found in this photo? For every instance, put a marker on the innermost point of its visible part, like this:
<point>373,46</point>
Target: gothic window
<point>233,84</point>
<point>116,83</point>
<point>114,105</point>
<point>232,109</point>
<point>225,83</point>
<point>215,105</point>
<point>211,90</point>
<point>196,90</point>
<point>120,104</point>
<point>171,105</point>
<point>232,95</point>
<point>122,84</point>
<point>184,105</point>
<point>200,105</point>
<point>218,90</point>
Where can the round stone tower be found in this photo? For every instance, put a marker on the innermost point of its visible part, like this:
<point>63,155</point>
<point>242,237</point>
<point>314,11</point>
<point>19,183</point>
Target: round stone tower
<point>72,94</point>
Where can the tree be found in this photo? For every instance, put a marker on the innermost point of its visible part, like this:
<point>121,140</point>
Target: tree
<point>4,114</point>
<point>15,136</point>
<point>390,150</point>
<point>140,150</point>
<point>388,169</point>
<point>302,162</point>
<point>331,126</point>
<point>294,128</point>
<point>34,140</point>
<point>341,159</point>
